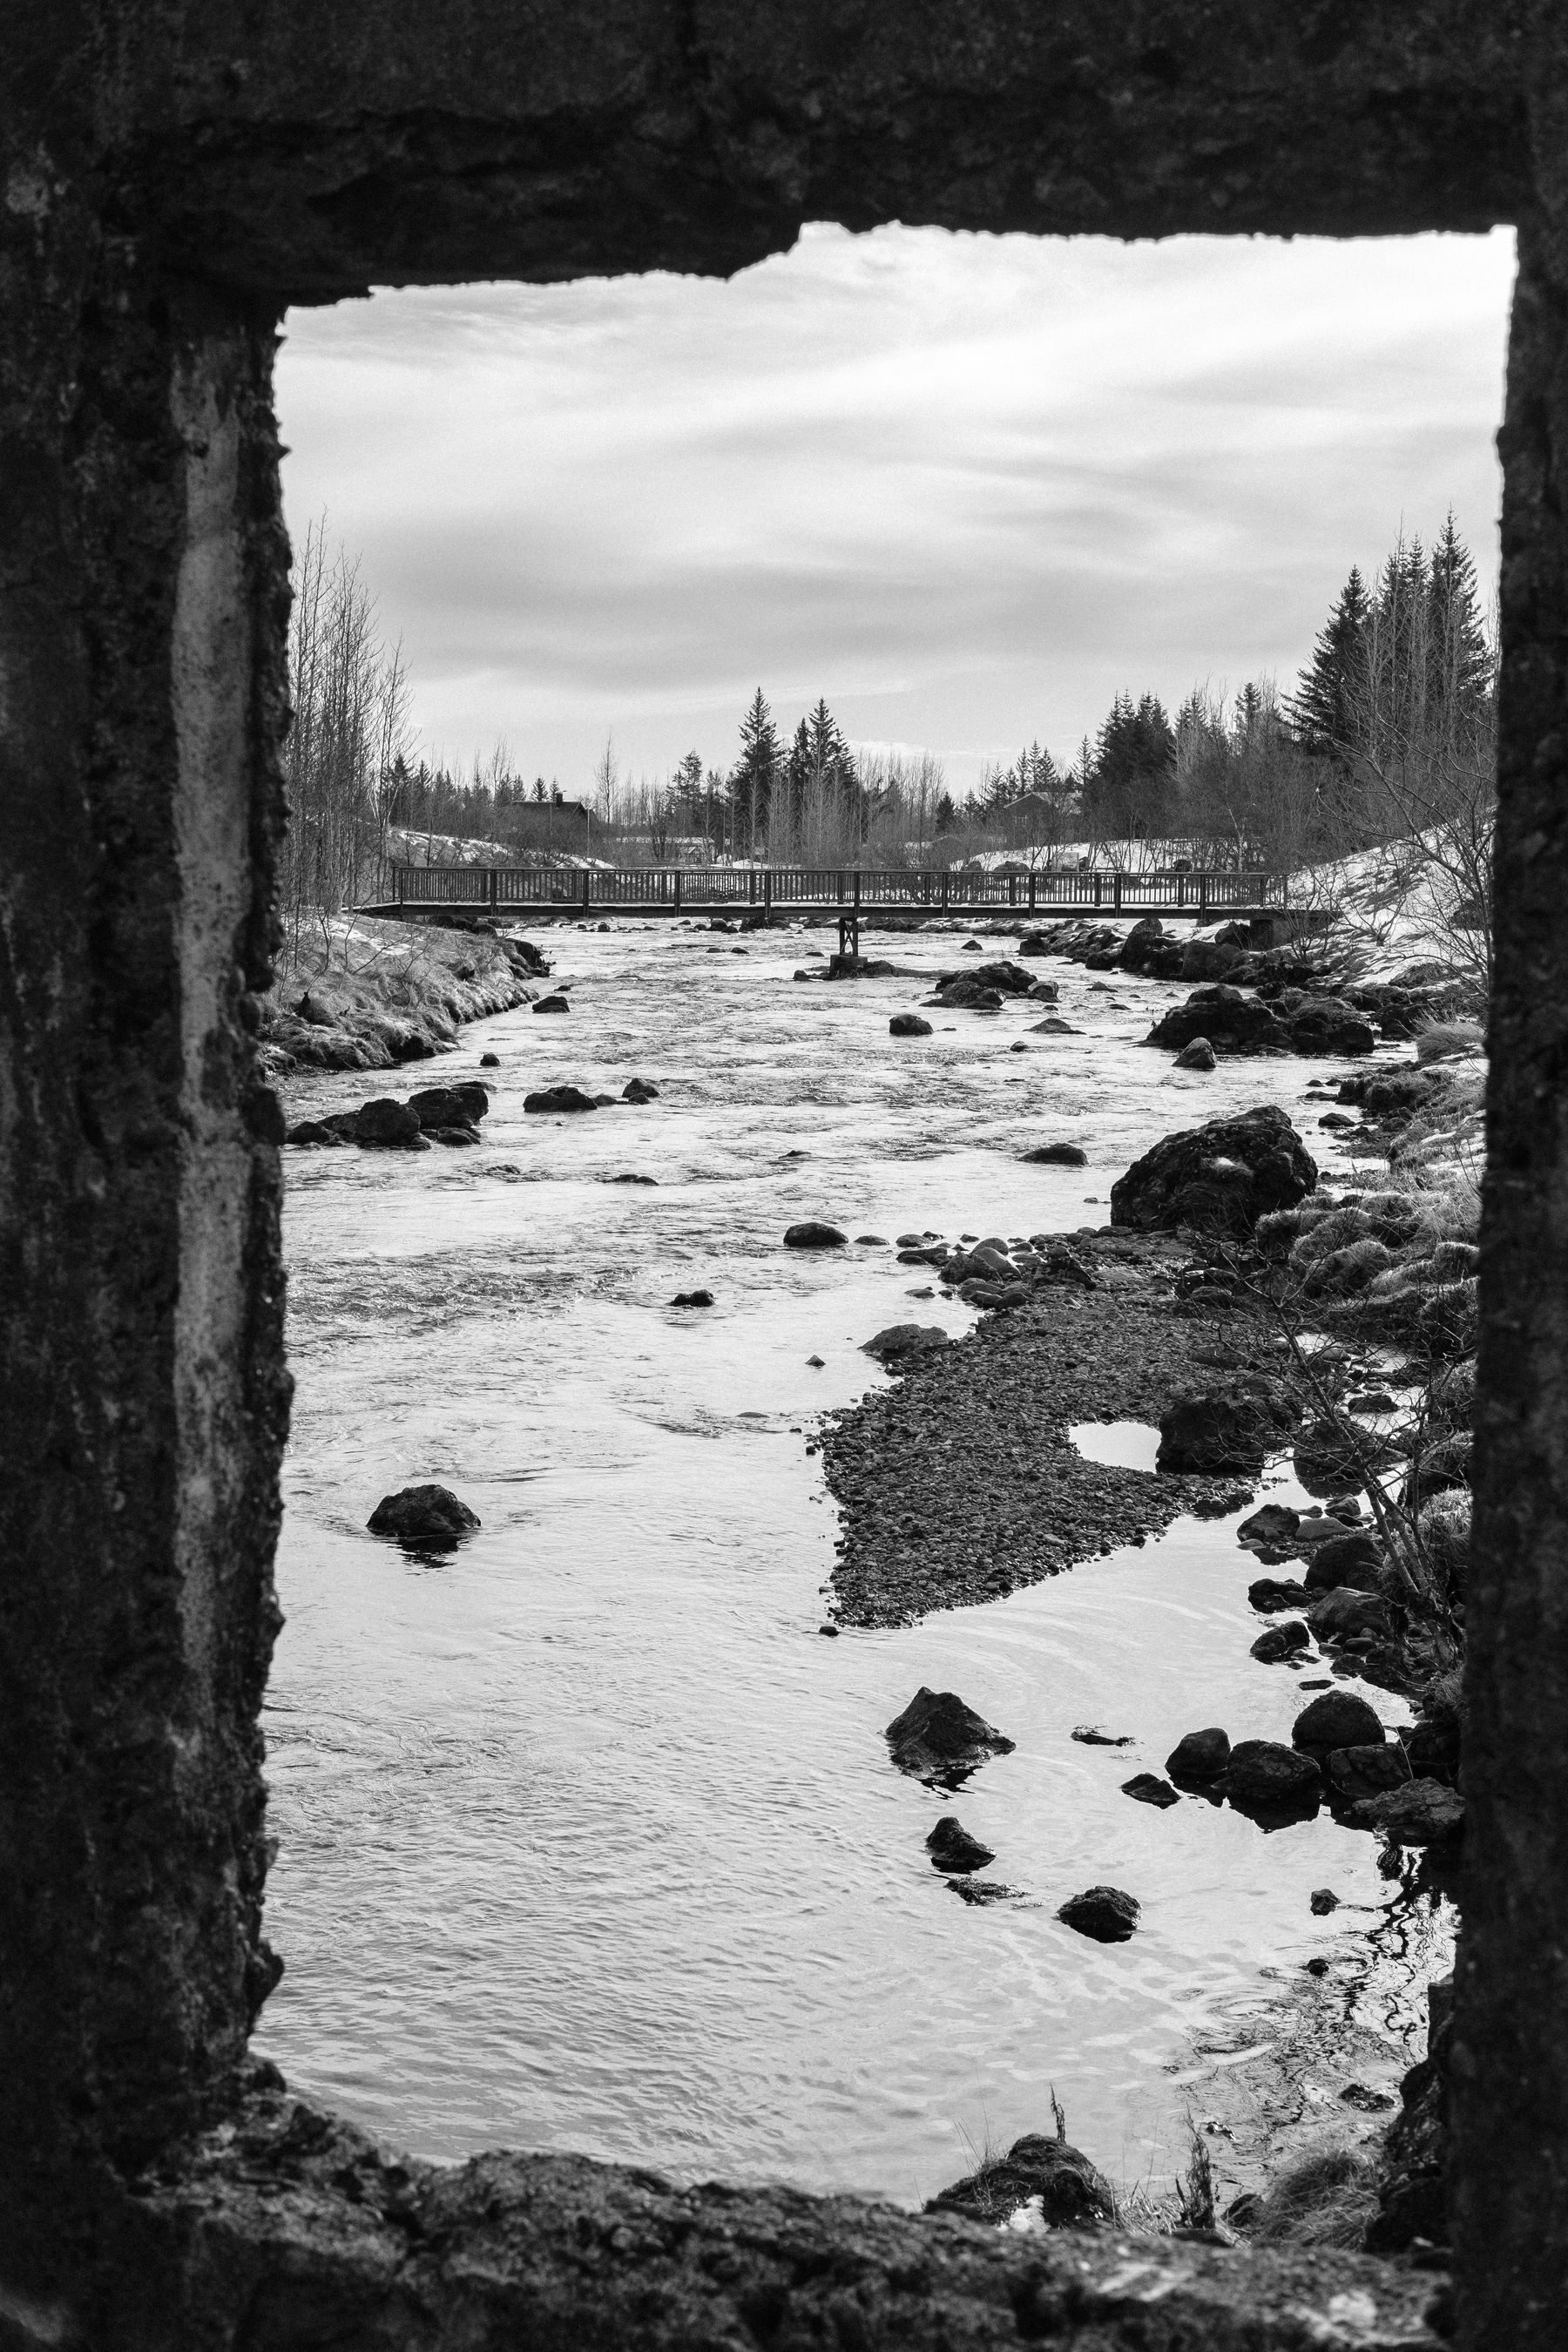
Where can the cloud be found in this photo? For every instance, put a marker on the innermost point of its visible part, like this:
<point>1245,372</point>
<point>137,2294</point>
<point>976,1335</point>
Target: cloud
<point>966,486</point>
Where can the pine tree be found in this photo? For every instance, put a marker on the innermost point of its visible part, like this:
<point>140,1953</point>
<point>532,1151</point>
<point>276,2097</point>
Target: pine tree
<point>1460,658</point>
<point>756,771</point>
<point>1322,711</point>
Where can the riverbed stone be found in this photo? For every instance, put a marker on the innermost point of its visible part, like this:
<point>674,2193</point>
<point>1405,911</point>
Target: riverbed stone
<point>1344,1614</point>
<point>1199,1757</point>
<point>1279,1643</point>
<point>1264,1775</point>
<point>1355,1560</point>
<point>423,1514</point>
<point>389,1124</point>
<point>939,1738</point>
<point>639,1090</point>
<point>1237,1022</point>
<point>1055,1155</point>
<point>909,1025</point>
<point>1274,1523</point>
<point>1340,1718</point>
<point>1107,1914</point>
<point>953,1850</point>
<point>1422,1812</point>
<point>1230,1426</point>
<point>555,1004</point>
<point>901,1341</point>
<point>810,1233</point>
<point>1271,1593</point>
<point>1354,1774</point>
<point>1197,1056</point>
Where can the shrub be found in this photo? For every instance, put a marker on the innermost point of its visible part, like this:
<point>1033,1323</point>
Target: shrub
<point>1444,1525</point>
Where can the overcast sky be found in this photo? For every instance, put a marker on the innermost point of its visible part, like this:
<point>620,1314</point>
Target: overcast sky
<point>965,487</point>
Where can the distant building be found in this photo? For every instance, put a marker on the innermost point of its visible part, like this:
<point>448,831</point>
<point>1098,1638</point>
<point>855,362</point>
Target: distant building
<point>541,828</point>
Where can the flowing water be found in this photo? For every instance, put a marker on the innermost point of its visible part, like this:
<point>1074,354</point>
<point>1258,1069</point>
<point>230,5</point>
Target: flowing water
<point>587,1839</point>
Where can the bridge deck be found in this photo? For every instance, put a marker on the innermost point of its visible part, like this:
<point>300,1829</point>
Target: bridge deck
<point>674,890</point>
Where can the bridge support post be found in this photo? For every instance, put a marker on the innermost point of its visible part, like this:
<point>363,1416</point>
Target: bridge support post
<point>1031,893</point>
<point>587,887</point>
<point>1116,894</point>
<point>678,889</point>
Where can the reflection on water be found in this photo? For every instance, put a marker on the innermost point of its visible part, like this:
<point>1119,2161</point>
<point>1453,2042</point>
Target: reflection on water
<point>587,1839</point>
<point>1118,1445</point>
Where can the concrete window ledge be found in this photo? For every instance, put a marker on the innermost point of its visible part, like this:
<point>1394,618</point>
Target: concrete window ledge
<point>284,2228</point>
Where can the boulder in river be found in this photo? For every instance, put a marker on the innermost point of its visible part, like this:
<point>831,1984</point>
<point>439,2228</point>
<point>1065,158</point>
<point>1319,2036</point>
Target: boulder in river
<point>489,1061</point>
<point>314,1130</point>
<point>1199,1757</point>
<point>901,1341</point>
<point>1422,1812</point>
<point>1056,1155</point>
<point>458,1106</point>
<point>1007,979</point>
<point>1264,1776</point>
<point>1072,2191</point>
<point>1339,1719</point>
<point>909,1025</point>
<point>1354,1774</point>
<point>390,1124</point>
<point>639,1090</point>
<point>1237,1024</point>
<point>1326,1025</point>
<point>811,1235</point>
<point>1148,1789</point>
<point>966,995</point>
<point>692,1299</point>
<point>424,1517</point>
<point>938,1738</point>
<point>1279,1643</point>
<point>1231,1426</point>
<point>1271,1593</point>
<point>552,1004</point>
<point>1104,1913</point>
<point>1198,1055</point>
<point>547,1098</point>
<point>1344,1614</point>
<point>953,1850</point>
<point>1275,1523</point>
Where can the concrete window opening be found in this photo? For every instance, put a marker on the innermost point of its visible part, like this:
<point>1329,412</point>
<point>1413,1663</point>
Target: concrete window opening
<point>173,181</point>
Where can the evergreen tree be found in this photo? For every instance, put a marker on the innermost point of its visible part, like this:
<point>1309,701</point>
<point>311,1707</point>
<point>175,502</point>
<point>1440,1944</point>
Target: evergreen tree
<point>1460,658</point>
<point>756,772</point>
<point>1320,713</point>
<point>1129,786</point>
<point>945,818</point>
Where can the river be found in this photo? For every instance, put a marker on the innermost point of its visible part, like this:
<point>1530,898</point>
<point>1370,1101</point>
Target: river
<point>587,1840</point>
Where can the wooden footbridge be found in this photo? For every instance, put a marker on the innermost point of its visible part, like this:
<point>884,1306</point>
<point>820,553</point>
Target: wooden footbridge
<point>1053,893</point>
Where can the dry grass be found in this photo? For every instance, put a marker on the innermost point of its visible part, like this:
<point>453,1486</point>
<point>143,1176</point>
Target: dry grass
<point>1324,2201</point>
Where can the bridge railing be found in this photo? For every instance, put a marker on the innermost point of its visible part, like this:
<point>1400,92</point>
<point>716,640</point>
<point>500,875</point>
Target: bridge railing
<point>1046,888</point>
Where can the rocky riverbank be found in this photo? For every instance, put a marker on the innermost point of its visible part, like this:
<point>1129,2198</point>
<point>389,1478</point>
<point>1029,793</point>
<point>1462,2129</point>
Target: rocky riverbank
<point>357,993</point>
<point>960,1482</point>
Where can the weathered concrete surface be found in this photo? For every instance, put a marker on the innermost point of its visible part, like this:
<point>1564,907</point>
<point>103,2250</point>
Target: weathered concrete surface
<point>285,2228</point>
<point>319,149</point>
<point>1509,2066</point>
<point>173,172</point>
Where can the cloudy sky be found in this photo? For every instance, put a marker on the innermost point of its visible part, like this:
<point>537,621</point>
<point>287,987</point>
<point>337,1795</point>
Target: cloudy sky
<point>965,487</point>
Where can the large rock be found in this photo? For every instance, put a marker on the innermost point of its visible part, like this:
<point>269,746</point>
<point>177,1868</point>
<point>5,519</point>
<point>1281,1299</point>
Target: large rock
<point>1264,1776</point>
<point>1231,1426</point>
<point>1233,1022</point>
<point>1326,1025</point>
<point>1198,1055</point>
<point>1273,1523</point>
<point>1344,1614</point>
<point>387,1122</point>
<point>966,995</point>
<point>639,1090</point>
<point>1072,2192</point>
<point>1422,1812</point>
<point>1006,979</point>
<point>1339,1718</point>
<point>552,1005</point>
<point>1056,1155</point>
<point>1354,1560</point>
<point>1104,1913</point>
<point>459,1106</point>
<point>938,1738</point>
<point>909,1025</point>
<point>811,1235</point>
<point>901,1341</point>
<point>1199,1757</point>
<point>1220,1177</point>
<point>548,1098</point>
<point>1358,1773</point>
<point>953,1850</point>
<point>422,1515</point>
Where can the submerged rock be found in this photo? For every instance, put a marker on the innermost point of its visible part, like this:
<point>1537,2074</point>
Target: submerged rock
<point>813,1235</point>
<point>559,1098</point>
<point>639,1090</point>
<point>1072,2191</point>
<point>1148,1789</point>
<point>692,1299</point>
<point>939,1738</point>
<point>422,1515</point>
<point>552,1005</point>
<point>1104,1913</point>
<point>1055,1155</point>
<point>951,1849</point>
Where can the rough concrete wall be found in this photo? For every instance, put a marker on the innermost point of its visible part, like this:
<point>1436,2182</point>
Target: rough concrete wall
<point>1509,2068</point>
<point>142,1396</point>
<point>323,149</point>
